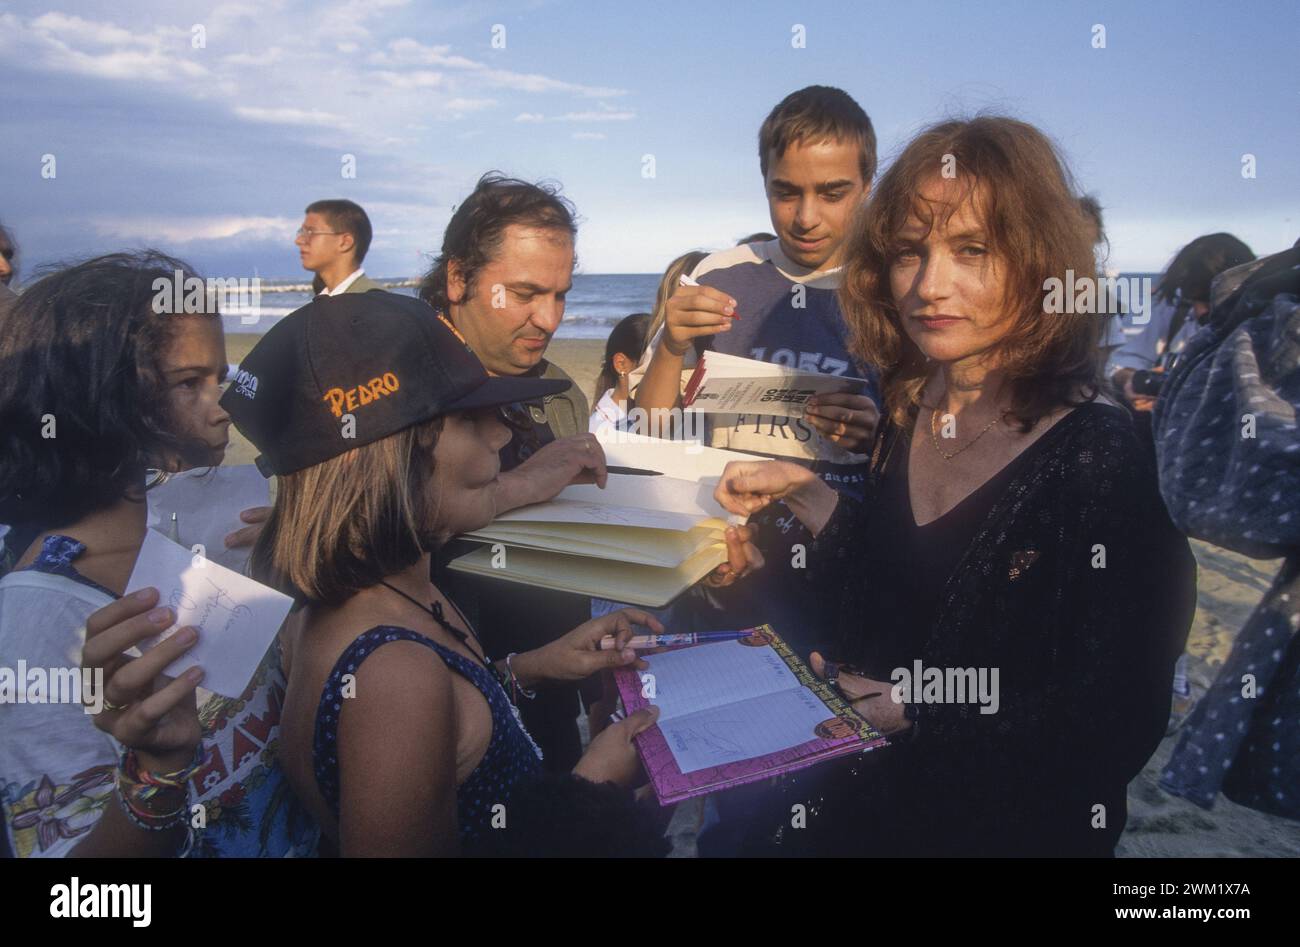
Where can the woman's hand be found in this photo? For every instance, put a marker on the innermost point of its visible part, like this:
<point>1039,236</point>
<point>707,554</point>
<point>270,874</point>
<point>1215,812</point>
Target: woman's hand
<point>578,655</point>
<point>847,420</point>
<point>746,487</point>
<point>612,757</point>
<point>247,535</point>
<point>743,557</point>
<point>142,709</point>
<point>880,710</point>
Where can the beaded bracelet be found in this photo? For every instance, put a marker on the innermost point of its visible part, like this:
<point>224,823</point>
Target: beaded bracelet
<point>154,823</point>
<point>144,818</point>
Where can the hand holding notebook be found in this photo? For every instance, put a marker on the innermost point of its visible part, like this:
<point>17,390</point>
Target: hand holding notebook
<point>735,712</point>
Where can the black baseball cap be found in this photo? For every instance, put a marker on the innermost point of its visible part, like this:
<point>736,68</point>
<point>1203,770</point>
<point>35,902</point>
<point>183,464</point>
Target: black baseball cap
<point>348,370</point>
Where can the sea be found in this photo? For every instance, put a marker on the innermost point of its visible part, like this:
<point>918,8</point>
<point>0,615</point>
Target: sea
<point>593,307</point>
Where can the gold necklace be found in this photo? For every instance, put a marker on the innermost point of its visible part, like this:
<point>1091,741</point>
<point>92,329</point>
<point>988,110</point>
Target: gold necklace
<point>934,437</point>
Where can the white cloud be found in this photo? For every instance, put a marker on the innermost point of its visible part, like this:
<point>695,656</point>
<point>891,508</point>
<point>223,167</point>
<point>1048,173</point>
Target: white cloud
<point>345,21</point>
<point>266,57</point>
<point>288,71</point>
<point>287,116</point>
<point>419,79</point>
<point>75,29</point>
<point>610,116</point>
<point>178,230</point>
<point>407,51</point>
<point>531,82</point>
<point>57,42</point>
<point>607,116</point>
<point>589,136</point>
<point>468,105</point>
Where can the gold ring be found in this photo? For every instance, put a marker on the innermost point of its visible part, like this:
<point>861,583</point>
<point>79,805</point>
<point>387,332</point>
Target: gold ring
<point>109,705</point>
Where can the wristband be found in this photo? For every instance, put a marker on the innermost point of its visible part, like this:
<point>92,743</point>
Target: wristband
<point>142,818</point>
<point>159,823</point>
<point>144,785</point>
<point>515,686</point>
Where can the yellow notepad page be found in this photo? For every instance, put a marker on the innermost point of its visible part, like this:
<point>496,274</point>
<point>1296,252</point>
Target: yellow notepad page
<point>635,584</point>
<point>652,547</point>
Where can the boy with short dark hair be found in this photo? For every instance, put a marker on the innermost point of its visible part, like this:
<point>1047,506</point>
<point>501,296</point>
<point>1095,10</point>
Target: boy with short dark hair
<point>332,242</point>
<point>776,302</point>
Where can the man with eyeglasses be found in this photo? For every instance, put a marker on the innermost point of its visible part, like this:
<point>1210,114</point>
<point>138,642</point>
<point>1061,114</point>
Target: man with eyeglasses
<point>332,242</point>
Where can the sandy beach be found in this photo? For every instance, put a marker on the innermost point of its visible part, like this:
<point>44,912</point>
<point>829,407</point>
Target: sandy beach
<point>1160,825</point>
<point>1229,586</point>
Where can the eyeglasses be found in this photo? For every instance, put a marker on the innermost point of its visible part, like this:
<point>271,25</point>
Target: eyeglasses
<point>309,233</point>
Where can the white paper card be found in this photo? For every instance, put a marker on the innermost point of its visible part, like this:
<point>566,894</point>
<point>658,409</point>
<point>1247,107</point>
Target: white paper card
<point>735,385</point>
<point>680,459</point>
<point>207,504</point>
<point>237,618</point>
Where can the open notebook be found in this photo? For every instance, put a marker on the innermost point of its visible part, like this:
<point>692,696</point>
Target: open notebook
<point>641,540</point>
<point>732,384</point>
<point>735,712</point>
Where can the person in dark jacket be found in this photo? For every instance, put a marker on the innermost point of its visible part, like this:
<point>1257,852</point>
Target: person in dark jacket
<point>1229,457</point>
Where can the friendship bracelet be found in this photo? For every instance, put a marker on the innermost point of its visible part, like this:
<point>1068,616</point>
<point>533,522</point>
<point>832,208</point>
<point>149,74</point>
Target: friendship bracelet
<point>514,679</point>
<point>129,768</point>
<point>151,821</point>
<point>145,800</point>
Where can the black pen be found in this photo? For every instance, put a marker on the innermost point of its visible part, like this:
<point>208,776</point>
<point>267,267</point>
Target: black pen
<point>636,471</point>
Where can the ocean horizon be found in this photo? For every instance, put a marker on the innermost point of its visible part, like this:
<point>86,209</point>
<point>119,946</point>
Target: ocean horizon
<point>593,307</point>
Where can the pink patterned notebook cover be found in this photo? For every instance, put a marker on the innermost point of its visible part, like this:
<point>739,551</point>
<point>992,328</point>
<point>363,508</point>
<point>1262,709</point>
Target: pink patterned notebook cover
<point>842,733</point>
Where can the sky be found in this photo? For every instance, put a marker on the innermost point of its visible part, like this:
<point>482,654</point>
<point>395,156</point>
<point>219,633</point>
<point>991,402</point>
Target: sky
<point>205,128</point>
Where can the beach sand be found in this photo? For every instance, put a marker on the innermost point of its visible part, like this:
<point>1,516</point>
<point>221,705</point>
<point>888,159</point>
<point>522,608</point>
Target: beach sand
<point>1229,586</point>
<point>1159,825</point>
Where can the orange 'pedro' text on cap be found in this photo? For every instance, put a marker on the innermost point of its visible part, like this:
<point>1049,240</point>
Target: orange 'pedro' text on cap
<point>338,399</point>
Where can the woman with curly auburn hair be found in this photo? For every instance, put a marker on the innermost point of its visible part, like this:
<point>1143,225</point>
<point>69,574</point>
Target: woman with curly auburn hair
<point>1012,594</point>
<point>1011,197</point>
